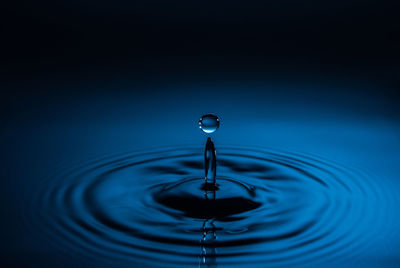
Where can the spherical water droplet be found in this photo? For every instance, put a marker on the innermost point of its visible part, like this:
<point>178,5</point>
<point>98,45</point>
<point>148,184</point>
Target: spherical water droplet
<point>209,123</point>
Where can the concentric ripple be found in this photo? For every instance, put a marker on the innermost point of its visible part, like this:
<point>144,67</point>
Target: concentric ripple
<point>274,208</point>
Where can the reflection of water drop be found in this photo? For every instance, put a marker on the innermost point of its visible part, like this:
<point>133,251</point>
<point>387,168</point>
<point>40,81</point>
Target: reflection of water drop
<point>209,123</point>
<point>208,257</point>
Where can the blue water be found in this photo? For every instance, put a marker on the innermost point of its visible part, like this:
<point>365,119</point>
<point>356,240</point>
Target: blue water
<point>116,179</point>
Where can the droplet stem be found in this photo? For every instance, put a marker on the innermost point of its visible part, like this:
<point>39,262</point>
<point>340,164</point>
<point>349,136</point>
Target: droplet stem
<point>210,163</point>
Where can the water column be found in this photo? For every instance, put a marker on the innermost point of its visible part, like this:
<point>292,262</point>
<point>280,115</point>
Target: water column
<point>210,163</point>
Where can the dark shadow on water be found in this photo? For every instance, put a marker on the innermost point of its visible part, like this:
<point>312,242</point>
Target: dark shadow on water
<point>243,167</point>
<point>204,208</point>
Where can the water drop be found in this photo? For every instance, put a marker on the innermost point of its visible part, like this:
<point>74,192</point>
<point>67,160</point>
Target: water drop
<point>209,123</point>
